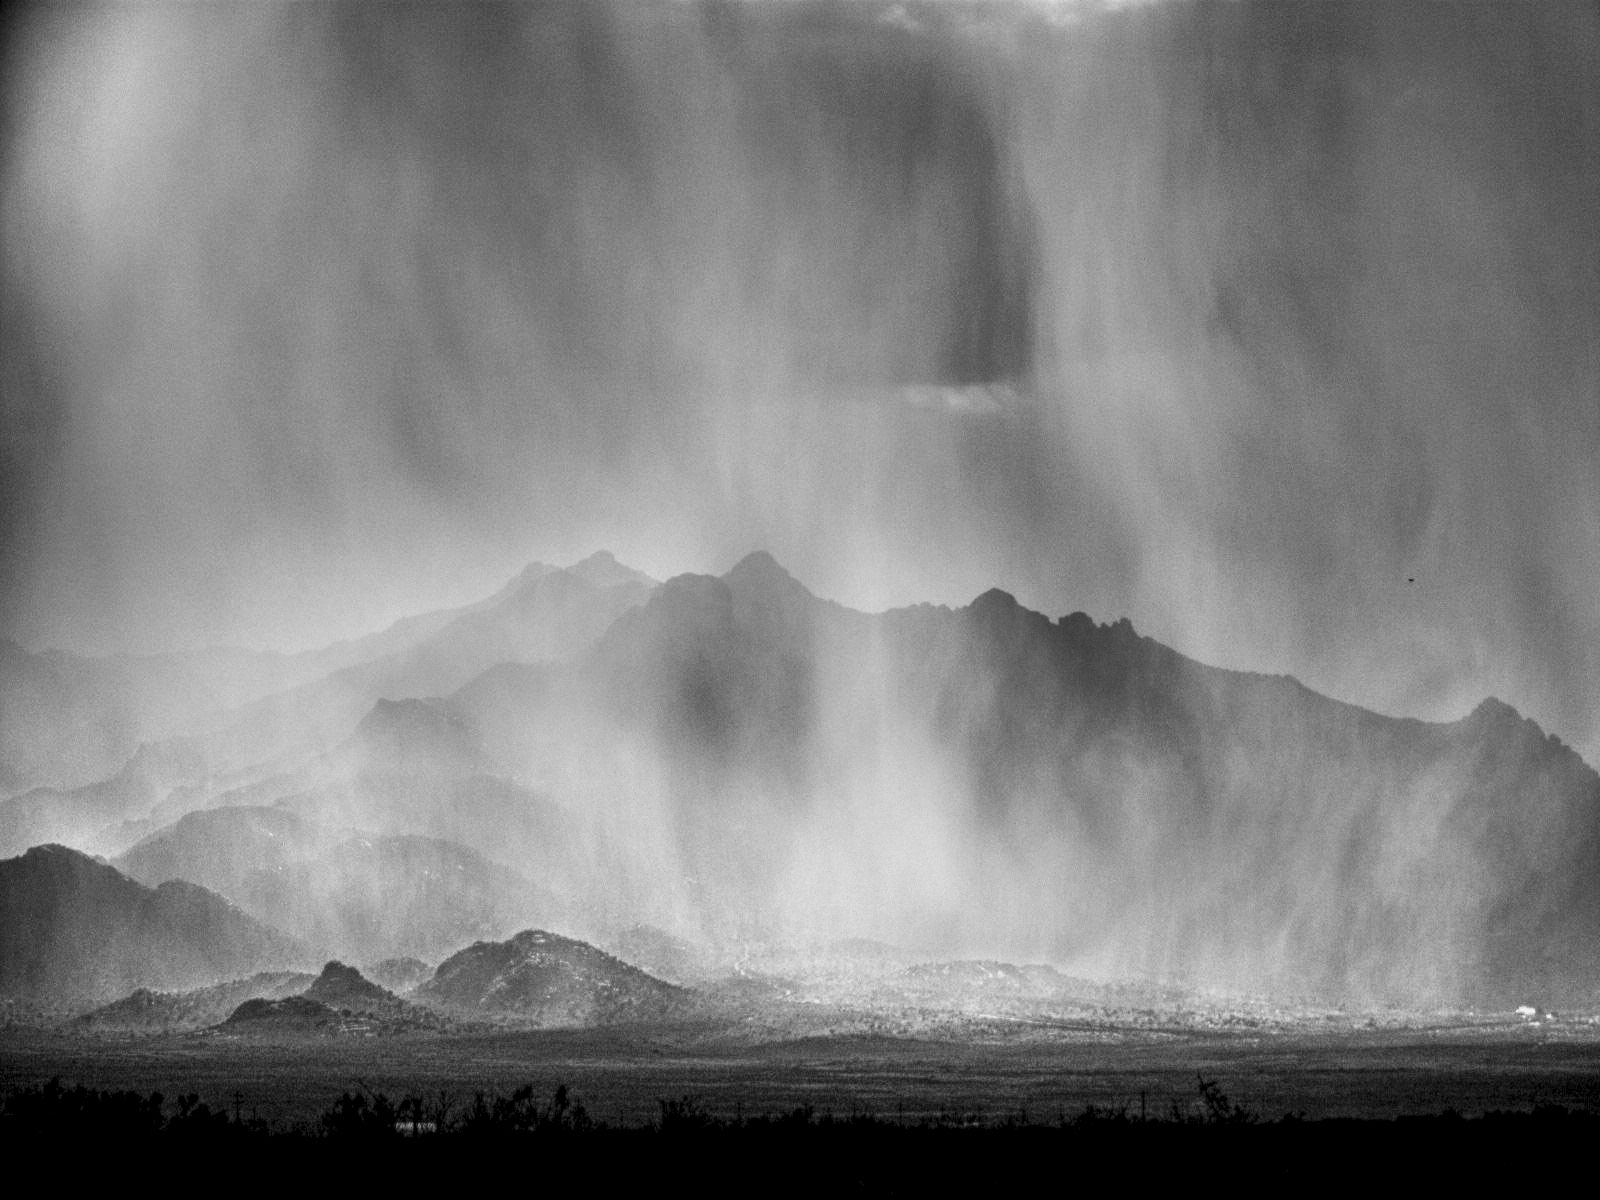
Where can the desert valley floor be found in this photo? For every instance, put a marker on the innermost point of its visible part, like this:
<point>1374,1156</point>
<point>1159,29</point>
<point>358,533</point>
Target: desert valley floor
<point>1411,1066</point>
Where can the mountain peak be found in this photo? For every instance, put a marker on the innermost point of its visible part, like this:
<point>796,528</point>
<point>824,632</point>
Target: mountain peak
<point>760,569</point>
<point>995,600</point>
<point>414,734</point>
<point>603,569</point>
<point>339,985</point>
<point>1494,713</point>
<point>768,599</point>
<point>1496,708</point>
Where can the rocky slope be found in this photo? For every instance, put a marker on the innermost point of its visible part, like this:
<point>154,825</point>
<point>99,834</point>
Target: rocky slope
<point>219,848</point>
<point>546,980</point>
<point>146,1011</point>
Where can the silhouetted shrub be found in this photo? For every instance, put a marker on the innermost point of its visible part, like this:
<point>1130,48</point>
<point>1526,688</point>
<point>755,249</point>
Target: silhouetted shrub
<point>684,1115</point>
<point>52,1110</point>
<point>1218,1109</point>
<point>361,1116</point>
<point>518,1113</point>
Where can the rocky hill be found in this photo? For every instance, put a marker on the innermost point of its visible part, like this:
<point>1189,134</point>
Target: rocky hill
<point>146,1011</point>
<point>413,737</point>
<point>293,1016</point>
<point>546,980</point>
<point>340,1002</point>
<point>340,986</point>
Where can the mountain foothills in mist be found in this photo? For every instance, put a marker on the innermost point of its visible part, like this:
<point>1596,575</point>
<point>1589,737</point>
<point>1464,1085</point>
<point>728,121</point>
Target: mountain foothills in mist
<point>718,772</point>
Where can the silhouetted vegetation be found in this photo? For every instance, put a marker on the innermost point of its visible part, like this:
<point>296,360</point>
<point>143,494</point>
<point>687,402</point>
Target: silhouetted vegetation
<point>43,1115</point>
<point>52,1110</point>
<point>415,1140</point>
<point>520,1114</point>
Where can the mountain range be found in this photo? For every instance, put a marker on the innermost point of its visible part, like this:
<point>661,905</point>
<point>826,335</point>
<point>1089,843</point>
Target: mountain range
<point>734,763</point>
<point>170,745</point>
<point>987,779</point>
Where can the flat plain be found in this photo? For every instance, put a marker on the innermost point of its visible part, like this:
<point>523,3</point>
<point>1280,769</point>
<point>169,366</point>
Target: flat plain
<point>1472,1065</point>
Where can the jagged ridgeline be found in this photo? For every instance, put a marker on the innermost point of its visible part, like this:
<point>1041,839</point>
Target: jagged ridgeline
<point>735,764</point>
<point>990,780</point>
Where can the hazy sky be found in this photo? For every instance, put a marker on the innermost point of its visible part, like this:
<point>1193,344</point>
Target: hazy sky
<point>1273,327</point>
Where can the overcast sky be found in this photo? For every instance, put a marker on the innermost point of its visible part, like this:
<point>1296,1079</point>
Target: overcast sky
<point>1275,328</point>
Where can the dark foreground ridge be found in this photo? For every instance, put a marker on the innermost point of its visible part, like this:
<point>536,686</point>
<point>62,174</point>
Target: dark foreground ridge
<point>802,1148</point>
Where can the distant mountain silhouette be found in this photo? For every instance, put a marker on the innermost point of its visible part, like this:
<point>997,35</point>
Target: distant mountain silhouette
<point>545,613</point>
<point>394,896</point>
<point>506,822</point>
<point>93,816</point>
<point>603,570</point>
<point>74,719</point>
<point>371,897</point>
<point>736,757</point>
<point>219,848</point>
<point>411,737</point>
<point>71,720</point>
<point>77,932</point>
<point>552,616</point>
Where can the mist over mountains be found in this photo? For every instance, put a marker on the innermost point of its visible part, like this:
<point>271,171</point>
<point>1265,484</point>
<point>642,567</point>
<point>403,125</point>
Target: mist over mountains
<point>71,720</point>
<point>748,769</point>
<point>990,780</point>
<point>1265,330</point>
